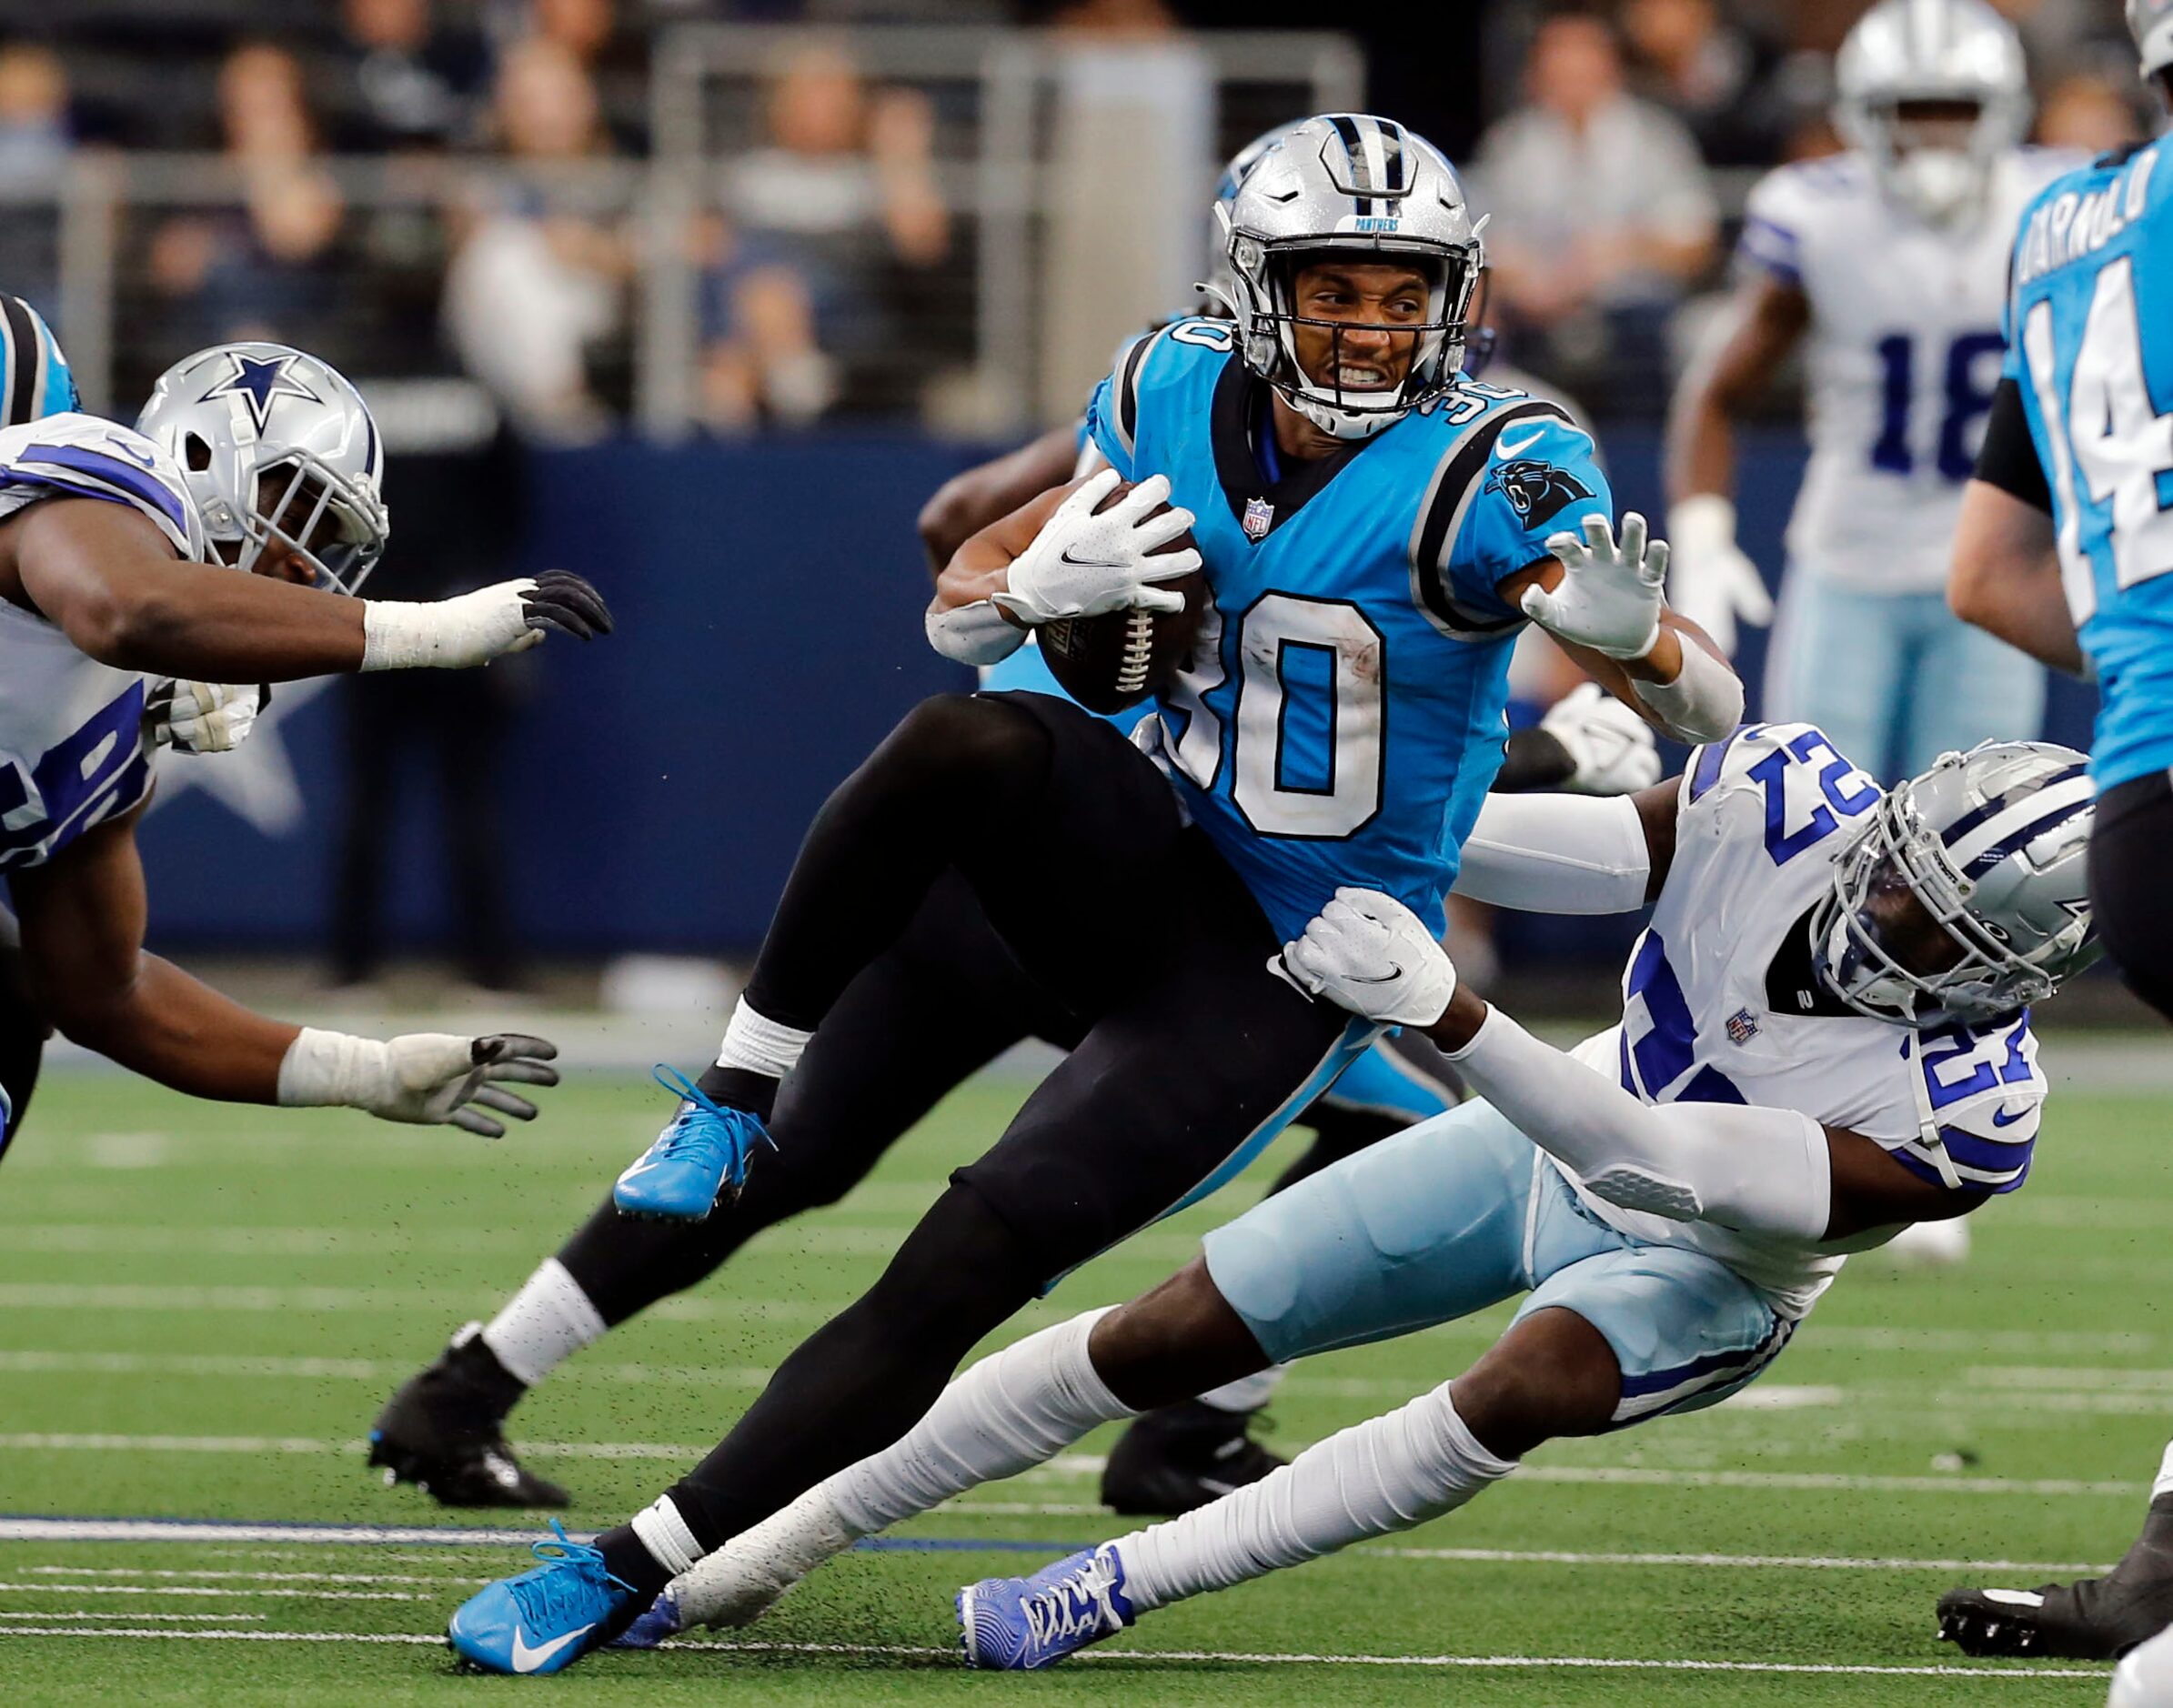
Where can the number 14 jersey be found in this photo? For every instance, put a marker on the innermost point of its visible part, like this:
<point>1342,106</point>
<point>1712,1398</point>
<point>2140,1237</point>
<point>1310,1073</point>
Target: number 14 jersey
<point>1341,716</point>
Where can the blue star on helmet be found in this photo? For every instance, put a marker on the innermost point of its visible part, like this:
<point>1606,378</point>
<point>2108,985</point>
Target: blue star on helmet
<point>260,380</point>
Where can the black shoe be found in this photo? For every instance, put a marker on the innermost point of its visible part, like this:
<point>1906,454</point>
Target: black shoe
<point>444,1432</point>
<point>2095,1619</point>
<point>1182,1456</point>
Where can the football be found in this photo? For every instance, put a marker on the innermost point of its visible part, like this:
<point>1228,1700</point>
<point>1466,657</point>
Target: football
<point>1112,662</point>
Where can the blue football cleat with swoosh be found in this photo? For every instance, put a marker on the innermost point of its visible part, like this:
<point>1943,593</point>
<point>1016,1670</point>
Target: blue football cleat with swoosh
<point>704,1150</point>
<point>1022,1624</point>
<point>545,1620</point>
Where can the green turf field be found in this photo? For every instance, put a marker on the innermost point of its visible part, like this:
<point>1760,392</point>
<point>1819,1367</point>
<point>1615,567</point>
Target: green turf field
<point>201,1307</point>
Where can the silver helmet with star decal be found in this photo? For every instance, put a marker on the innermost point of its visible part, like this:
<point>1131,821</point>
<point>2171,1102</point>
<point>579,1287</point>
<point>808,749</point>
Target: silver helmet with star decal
<point>277,446</point>
<point>1992,844</point>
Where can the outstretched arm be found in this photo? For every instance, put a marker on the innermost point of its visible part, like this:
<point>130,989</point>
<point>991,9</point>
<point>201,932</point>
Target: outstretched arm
<point>1755,1170</point>
<point>107,578</point>
<point>82,917</point>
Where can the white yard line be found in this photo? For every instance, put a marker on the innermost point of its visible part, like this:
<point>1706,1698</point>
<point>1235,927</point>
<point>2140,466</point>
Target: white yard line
<point>213,1530</point>
<point>207,1592</point>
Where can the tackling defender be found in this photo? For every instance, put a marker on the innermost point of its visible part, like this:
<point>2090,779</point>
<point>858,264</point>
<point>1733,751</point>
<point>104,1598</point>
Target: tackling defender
<point>1673,1196</point>
<point>118,558</point>
<point>1903,358</point>
<point>1374,533</point>
<point>2064,548</point>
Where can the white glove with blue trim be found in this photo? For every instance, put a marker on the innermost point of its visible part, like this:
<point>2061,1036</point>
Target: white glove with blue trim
<point>1086,562</point>
<point>1369,953</point>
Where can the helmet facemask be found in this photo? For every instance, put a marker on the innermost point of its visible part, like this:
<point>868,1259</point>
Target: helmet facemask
<point>1932,154</point>
<point>301,505</point>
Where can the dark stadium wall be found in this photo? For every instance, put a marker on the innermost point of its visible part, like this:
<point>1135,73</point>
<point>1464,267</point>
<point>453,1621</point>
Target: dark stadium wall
<point>769,598</point>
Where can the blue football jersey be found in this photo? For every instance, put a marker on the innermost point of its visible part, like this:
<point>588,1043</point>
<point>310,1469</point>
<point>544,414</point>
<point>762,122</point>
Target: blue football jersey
<point>2090,340</point>
<point>1342,715</point>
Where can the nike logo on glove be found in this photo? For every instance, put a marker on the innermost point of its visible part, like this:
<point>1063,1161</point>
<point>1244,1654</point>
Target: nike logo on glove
<point>1089,563</point>
<point>1386,977</point>
<point>526,1660</point>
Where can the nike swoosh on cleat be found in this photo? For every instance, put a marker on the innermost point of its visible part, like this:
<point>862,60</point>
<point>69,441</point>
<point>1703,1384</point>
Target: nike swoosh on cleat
<point>526,1660</point>
<point>1502,448</point>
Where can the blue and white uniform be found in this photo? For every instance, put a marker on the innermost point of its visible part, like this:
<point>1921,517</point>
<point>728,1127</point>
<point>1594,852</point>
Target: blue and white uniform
<point>1903,355</point>
<point>1464,1210</point>
<point>1343,715</point>
<point>73,753</point>
<point>2092,350</point>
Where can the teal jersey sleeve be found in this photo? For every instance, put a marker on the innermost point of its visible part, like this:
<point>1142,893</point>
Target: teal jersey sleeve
<point>1543,478</point>
<point>1112,418</point>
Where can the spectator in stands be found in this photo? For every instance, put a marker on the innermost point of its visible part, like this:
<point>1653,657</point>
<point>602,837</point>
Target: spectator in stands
<point>1711,73</point>
<point>266,271</point>
<point>1602,213</point>
<point>34,131</point>
<point>818,225</point>
<point>406,79</point>
<point>2089,112</point>
<point>534,284</point>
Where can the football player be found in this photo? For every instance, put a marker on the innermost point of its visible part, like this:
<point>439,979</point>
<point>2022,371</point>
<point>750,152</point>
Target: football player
<point>946,1000</point>
<point>1888,264</point>
<point>1374,533</point>
<point>118,558</point>
<point>2063,550</point>
<point>1825,1036</point>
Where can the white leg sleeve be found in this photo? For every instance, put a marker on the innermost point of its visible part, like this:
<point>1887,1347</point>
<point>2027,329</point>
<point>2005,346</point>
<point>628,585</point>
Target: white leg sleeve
<point>1005,1415</point>
<point>1383,1475</point>
<point>2164,1483</point>
<point>543,1324</point>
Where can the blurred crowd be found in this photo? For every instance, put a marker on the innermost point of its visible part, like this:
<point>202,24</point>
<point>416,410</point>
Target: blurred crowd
<point>439,186</point>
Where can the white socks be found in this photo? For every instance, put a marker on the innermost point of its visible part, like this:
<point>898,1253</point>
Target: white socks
<point>760,1045</point>
<point>1005,1415</point>
<point>543,1324</point>
<point>1383,1475</point>
<point>666,1537</point>
<point>2164,1483</point>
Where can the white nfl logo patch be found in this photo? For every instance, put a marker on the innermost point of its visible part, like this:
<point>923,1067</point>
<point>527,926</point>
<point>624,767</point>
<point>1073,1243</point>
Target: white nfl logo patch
<point>1259,517</point>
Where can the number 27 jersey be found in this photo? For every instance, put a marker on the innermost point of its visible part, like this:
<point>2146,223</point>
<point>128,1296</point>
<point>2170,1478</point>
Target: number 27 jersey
<point>2090,342</point>
<point>1341,716</point>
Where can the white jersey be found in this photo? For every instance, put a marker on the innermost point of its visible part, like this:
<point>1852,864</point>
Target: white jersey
<point>1904,355</point>
<point>72,747</point>
<point>1760,820</point>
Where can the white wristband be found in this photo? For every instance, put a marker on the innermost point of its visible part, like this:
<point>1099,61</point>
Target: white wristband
<point>325,1069</point>
<point>446,633</point>
<point>974,633</point>
<point>1703,703</point>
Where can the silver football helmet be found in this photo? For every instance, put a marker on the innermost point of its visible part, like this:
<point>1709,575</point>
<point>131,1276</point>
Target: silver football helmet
<point>276,445</point>
<point>1221,287</point>
<point>1992,844</point>
<point>1903,52</point>
<point>2151,22</point>
<point>1348,183</point>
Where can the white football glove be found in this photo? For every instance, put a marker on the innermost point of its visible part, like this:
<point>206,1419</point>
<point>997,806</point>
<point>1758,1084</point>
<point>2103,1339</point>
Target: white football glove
<point>202,716</point>
<point>1609,596</point>
<point>1082,563</point>
<point>1609,744</point>
<point>424,1077</point>
<point>1369,953</point>
<point>1712,583</point>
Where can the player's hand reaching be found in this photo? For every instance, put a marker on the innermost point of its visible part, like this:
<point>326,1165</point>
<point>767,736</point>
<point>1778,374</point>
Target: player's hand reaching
<point>1609,597</point>
<point>1368,953</point>
<point>475,628</point>
<point>1086,561</point>
<point>1713,582</point>
<point>1610,746</point>
<point>202,716</point>
<point>424,1077</point>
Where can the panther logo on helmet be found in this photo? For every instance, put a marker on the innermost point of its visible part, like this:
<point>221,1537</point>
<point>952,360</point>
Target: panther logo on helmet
<point>1535,490</point>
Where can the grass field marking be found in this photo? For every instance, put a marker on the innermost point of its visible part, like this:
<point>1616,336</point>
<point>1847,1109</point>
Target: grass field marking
<point>1733,1561</point>
<point>1181,1657</point>
<point>208,1574</point>
<point>2056,1486</point>
<point>220,1531</point>
<point>122,1296</point>
<point>207,1592</point>
<point>226,1366</point>
<point>163,1619</point>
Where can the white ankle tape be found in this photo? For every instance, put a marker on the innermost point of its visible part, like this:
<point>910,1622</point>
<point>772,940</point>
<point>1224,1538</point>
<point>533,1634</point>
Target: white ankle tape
<point>666,1537</point>
<point>761,1045</point>
<point>543,1324</point>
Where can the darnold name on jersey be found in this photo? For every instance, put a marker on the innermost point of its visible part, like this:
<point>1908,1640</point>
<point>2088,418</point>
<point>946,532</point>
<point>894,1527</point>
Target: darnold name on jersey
<point>2077,223</point>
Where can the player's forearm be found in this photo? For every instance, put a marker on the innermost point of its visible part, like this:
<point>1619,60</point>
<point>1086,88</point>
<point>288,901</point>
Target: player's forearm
<point>213,625</point>
<point>177,1031</point>
<point>2005,578</point>
<point>1556,854</point>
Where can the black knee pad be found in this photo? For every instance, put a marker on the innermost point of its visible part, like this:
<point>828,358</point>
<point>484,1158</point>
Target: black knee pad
<point>968,737</point>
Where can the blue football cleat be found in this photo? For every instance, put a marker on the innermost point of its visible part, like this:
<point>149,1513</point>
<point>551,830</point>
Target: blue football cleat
<point>537,1623</point>
<point>1020,1625</point>
<point>705,1149</point>
<point>663,1620</point>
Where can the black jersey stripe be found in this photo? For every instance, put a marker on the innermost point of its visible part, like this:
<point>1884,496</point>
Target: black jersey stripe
<point>1455,484</point>
<point>1128,393</point>
<point>23,353</point>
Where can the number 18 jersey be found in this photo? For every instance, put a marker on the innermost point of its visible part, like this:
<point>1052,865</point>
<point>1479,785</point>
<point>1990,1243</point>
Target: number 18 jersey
<point>2091,342</point>
<point>1341,716</point>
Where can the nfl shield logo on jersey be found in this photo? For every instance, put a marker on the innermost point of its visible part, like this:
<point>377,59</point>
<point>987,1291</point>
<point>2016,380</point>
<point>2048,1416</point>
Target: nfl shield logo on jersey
<point>1259,517</point>
<point>1743,1026</point>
